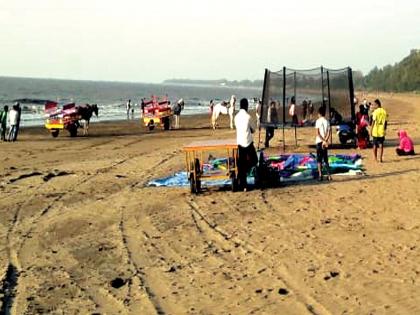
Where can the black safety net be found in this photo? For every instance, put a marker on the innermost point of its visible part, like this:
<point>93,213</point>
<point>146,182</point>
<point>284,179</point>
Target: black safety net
<point>307,90</point>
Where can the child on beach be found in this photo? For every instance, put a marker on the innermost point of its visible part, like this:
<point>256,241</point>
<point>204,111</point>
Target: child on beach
<point>323,134</point>
<point>406,146</point>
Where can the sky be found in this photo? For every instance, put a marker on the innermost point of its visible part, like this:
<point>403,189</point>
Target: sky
<point>154,40</point>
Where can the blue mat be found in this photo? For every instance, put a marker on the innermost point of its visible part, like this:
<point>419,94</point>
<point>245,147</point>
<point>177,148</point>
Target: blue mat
<point>289,167</point>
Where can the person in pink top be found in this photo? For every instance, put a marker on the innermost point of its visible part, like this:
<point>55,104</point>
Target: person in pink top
<point>406,146</point>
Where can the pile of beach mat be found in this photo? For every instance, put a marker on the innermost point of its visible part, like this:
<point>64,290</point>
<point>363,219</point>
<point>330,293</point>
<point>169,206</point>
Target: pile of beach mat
<point>273,169</point>
<point>300,167</point>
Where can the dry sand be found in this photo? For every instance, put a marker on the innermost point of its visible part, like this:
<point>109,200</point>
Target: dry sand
<point>80,233</point>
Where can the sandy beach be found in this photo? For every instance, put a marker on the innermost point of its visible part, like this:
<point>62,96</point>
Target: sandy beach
<point>80,233</point>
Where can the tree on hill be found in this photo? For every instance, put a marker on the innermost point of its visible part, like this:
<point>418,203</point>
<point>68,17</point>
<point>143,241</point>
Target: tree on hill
<point>403,76</point>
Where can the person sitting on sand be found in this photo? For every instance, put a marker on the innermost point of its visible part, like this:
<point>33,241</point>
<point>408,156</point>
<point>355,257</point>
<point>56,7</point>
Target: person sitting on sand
<point>406,146</point>
<point>3,122</point>
<point>323,136</point>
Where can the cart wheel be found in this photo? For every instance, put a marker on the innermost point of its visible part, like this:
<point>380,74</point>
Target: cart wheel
<point>234,185</point>
<point>166,123</point>
<point>55,133</point>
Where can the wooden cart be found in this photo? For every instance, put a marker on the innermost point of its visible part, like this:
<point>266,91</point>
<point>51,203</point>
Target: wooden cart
<point>58,118</point>
<point>157,112</point>
<point>194,158</point>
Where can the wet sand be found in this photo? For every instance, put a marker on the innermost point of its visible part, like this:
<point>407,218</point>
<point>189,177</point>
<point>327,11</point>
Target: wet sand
<point>80,233</point>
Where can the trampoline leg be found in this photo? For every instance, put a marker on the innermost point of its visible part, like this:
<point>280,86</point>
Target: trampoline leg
<point>284,141</point>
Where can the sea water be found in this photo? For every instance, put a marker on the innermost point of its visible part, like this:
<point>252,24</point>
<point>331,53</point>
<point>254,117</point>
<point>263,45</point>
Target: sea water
<point>111,97</point>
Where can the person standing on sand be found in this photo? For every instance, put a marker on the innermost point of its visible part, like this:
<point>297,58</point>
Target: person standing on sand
<point>310,110</point>
<point>323,134</point>
<point>292,111</point>
<point>12,123</point>
<point>305,108</point>
<point>127,108</point>
<point>142,105</point>
<point>19,114</point>
<point>379,124</point>
<point>247,155</point>
<point>3,122</point>
<point>271,118</point>
<point>177,112</point>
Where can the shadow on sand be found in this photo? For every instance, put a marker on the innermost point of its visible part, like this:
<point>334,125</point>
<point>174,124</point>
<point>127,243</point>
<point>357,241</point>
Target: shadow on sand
<point>7,290</point>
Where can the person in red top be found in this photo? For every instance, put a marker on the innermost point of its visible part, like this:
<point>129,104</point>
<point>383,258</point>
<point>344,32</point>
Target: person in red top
<point>406,146</point>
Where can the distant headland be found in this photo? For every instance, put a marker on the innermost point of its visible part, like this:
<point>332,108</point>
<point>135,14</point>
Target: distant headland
<point>220,82</point>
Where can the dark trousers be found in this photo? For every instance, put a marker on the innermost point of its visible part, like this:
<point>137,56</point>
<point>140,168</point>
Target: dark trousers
<point>246,161</point>
<point>402,152</point>
<point>16,132</point>
<point>3,132</point>
<point>269,134</point>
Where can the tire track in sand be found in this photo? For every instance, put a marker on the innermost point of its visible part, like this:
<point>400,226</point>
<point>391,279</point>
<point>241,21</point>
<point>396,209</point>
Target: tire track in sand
<point>138,272</point>
<point>310,303</point>
<point>10,282</point>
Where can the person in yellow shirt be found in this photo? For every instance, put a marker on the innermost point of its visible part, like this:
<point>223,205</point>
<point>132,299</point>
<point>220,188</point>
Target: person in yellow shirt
<point>378,124</point>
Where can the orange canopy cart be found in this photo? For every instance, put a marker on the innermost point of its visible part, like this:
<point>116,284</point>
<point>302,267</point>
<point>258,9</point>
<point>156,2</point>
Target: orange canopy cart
<point>194,158</point>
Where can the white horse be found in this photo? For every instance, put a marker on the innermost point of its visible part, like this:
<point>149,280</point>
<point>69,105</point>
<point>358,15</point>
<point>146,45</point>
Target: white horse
<point>225,109</point>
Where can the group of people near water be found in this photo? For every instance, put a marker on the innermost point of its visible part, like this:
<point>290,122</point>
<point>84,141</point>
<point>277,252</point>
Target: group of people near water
<point>10,122</point>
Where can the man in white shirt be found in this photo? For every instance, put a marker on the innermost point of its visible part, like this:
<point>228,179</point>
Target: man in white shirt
<point>247,154</point>
<point>13,118</point>
<point>323,134</point>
